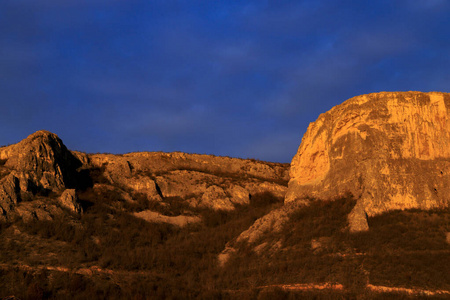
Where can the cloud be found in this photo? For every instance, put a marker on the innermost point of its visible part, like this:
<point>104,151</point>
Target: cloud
<point>229,78</point>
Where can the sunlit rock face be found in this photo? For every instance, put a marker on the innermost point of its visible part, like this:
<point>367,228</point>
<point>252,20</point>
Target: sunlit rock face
<point>42,159</point>
<point>391,150</point>
<point>36,165</point>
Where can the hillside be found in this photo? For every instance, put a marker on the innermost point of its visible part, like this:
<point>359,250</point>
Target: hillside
<point>92,225</point>
<point>154,225</point>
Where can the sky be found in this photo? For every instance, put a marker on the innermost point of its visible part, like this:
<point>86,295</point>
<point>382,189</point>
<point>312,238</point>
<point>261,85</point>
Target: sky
<point>233,78</point>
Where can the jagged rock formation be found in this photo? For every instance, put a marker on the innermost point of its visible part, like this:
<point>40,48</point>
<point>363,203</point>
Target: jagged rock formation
<point>389,150</point>
<point>40,164</point>
<point>39,176</point>
<point>42,161</point>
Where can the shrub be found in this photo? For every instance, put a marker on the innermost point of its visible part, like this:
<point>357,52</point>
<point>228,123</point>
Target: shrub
<point>264,199</point>
<point>98,175</point>
<point>318,219</point>
<point>35,292</point>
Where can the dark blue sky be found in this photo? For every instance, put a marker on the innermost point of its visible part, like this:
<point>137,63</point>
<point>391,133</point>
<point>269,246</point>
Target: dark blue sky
<point>236,78</point>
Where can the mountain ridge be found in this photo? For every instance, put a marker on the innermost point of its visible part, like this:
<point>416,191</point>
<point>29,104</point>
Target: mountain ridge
<point>196,226</point>
<point>41,164</point>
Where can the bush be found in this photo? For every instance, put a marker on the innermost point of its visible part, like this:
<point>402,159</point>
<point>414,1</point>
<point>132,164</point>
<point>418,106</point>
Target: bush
<point>35,292</point>
<point>145,260</point>
<point>98,175</point>
<point>318,219</point>
<point>265,199</point>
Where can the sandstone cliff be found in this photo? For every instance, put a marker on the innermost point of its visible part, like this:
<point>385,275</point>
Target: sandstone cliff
<point>390,150</point>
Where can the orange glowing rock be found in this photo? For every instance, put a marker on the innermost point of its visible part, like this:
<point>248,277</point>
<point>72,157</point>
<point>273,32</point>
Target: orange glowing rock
<point>391,150</point>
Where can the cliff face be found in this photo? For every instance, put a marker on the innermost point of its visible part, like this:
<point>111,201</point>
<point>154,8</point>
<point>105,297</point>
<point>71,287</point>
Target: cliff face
<point>218,183</point>
<point>39,177</point>
<point>36,166</point>
<point>390,150</point>
<point>43,159</point>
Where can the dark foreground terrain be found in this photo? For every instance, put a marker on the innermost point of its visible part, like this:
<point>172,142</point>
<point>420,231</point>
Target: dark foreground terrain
<point>187,232</point>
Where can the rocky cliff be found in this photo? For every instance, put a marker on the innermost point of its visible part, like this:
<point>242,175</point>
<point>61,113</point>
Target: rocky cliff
<point>40,178</point>
<point>34,168</point>
<point>390,150</point>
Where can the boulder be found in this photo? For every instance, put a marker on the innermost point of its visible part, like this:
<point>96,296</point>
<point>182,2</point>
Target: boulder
<point>238,195</point>
<point>69,200</point>
<point>215,198</point>
<point>357,218</point>
<point>390,150</point>
<point>146,186</point>
<point>184,184</point>
<point>9,194</point>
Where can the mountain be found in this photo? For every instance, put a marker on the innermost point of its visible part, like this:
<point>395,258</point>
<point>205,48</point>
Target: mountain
<point>355,216</point>
<point>76,217</point>
<point>389,150</point>
<point>41,165</point>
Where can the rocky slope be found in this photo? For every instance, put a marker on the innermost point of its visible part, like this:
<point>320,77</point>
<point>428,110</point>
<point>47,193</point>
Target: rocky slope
<point>40,177</point>
<point>188,226</point>
<point>389,150</point>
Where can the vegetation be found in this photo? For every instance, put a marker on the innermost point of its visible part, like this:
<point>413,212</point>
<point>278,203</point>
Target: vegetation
<point>407,248</point>
<point>402,249</point>
<point>147,260</point>
<point>108,253</point>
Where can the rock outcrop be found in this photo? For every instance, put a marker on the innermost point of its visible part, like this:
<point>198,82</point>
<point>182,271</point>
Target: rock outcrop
<point>39,164</point>
<point>9,191</point>
<point>390,150</point>
<point>69,200</point>
<point>207,181</point>
<point>39,177</point>
<point>215,198</point>
<point>43,159</point>
<point>154,217</point>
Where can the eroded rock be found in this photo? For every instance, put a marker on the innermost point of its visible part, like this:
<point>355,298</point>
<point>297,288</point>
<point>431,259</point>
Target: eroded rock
<point>215,198</point>
<point>39,167</point>
<point>357,219</point>
<point>44,158</point>
<point>69,200</point>
<point>272,222</point>
<point>9,194</point>
<point>239,195</point>
<point>389,150</point>
<point>184,184</point>
<point>181,220</point>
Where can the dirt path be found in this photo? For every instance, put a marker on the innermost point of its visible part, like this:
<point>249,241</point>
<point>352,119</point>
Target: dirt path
<point>374,288</point>
<point>307,286</point>
<point>82,271</point>
<point>413,291</point>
